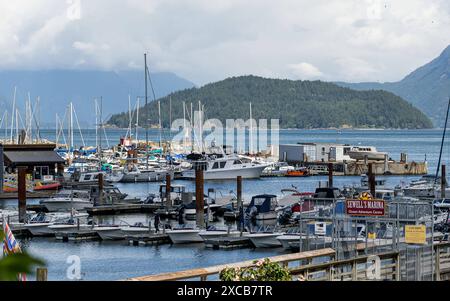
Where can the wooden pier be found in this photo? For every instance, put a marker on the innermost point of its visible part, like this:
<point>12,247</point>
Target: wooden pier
<point>30,195</point>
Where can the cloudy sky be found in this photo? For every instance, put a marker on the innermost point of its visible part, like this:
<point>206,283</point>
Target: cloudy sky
<point>208,40</point>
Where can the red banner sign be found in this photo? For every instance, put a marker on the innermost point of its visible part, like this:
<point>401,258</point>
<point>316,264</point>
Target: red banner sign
<point>365,207</point>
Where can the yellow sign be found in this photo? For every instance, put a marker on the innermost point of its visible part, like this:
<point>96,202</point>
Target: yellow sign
<point>415,234</point>
<point>372,235</point>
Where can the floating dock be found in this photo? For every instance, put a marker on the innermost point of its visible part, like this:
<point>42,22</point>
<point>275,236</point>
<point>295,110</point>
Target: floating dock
<point>81,235</point>
<point>151,239</point>
<point>228,243</point>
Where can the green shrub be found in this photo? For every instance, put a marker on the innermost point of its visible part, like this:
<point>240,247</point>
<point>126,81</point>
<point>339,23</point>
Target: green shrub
<point>264,270</point>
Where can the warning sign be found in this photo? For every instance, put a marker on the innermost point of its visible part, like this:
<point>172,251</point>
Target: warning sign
<point>415,234</point>
<point>365,207</point>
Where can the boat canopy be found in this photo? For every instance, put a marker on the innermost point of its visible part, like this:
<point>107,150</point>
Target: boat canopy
<point>264,203</point>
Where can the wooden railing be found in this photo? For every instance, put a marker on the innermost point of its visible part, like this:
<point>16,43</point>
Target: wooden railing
<point>203,273</point>
<point>349,269</point>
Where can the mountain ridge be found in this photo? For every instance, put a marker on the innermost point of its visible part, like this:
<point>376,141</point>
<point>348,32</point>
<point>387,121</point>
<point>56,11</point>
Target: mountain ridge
<point>297,104</point>
<point>427,87</point>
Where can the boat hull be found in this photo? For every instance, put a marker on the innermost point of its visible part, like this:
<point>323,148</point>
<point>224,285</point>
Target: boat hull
<point>39,229</point>
<point>228,174</point>
<point>265,240</point>
<point>151,176</point>
<point>65,205</point>
<point>184,236</point>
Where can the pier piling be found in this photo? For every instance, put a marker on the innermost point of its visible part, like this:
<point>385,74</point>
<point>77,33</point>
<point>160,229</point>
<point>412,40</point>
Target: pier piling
<point>22,193</point>
<point>199,196</point>
<point>330,175</point>
<point>239,198</point>
<point>100,188</point>
<point>371,178</point>
<point>168,185</point>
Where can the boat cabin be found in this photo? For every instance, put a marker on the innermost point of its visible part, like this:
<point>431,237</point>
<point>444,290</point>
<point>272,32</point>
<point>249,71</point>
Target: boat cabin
<point>263,203</point>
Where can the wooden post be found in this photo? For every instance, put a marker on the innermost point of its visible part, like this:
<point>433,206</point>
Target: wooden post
<point>168,185</point>
<point>41,274</point>
<point>437,260</point>
<point>199,196</point>
<point>371,177</point>
<point>22,193</point>
<point>239,199</point>
<point>1,168</point>
<point>330,175</point>
<point>100,187</point>
<point>443,181</point>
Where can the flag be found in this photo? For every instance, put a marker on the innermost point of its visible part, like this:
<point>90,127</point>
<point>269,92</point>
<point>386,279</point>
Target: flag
<point>11,246</point>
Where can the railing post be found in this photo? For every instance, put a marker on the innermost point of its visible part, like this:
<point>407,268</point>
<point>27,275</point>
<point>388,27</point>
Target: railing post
<point>438,263</point>
<point>397,267</point>
<point>354,271</point>
<point>41,274</point>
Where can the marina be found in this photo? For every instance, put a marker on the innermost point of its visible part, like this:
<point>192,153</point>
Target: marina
<point>221,147</point>
<point>224,237</point>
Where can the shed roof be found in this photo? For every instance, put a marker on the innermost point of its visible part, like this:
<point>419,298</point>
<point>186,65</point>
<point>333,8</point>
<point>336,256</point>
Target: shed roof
<point>30,157</point>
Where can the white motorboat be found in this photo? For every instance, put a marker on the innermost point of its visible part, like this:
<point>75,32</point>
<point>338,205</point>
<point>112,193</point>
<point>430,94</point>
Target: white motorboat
<point>226,167</point>
<point>215,233</point>
<point>362,152</point>
<point>265,240</point>
<point>184,236</point>
<point>131,173</point>
<point>78,200</point>
<point>262,207</point>
<point>287,239</point>
<point>109,232</point>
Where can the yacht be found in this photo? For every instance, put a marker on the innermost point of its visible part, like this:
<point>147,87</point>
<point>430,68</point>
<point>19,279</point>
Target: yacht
<point>225,167</point>
<point>362,152</point>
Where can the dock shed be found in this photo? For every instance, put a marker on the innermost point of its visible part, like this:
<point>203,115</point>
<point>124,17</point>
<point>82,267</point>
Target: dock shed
<point>41,160</point>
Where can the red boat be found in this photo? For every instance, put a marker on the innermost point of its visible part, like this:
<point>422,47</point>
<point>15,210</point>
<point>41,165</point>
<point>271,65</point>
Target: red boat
<point>47,186</point>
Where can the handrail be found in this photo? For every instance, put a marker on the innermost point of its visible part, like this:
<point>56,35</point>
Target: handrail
<point>204,272</point>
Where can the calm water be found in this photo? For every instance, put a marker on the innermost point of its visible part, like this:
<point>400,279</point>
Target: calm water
<point>113,261</point>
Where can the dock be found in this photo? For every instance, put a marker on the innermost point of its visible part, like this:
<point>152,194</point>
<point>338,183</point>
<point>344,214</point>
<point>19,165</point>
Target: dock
<point>82,235</point>
<point>44,194</point>
<point>151,239</point>
<point>123,208</point>
<point>228,243</point>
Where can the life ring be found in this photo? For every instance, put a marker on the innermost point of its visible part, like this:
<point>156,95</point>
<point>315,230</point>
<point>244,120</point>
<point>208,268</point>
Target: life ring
<point>365,196</point>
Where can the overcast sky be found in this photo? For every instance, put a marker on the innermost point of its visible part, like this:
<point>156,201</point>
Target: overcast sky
<point>209,40</point>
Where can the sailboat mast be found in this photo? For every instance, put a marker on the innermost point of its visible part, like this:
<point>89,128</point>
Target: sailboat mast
<point>159,120</point>
<point>137,117</point>
<point>12,114</point>
<point>184,127</point>
<point>251,131</point>
<point>146,113</point>
<point>129,117</point>
<point>442,143</point>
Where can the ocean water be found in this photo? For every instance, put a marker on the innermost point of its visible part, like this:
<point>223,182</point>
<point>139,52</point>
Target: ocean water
<point>117,260</point>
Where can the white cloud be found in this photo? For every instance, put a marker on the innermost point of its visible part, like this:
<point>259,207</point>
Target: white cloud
<point>205,40</point>
<point>305,70</point>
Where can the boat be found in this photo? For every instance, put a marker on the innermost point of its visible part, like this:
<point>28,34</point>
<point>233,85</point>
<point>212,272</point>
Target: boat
<point>277,169</point>
<point>300,172</point>
<point>287,240</point>
<point>66,201</point>
<point>262,207</point>
<point>53,185</point>
<point>109,232</point>
<point>363,152</point>
<point>184,235</point>
<point>131,173</point>
<point>213,233</point>
<point>265,240</point>
<point>220,166</point>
